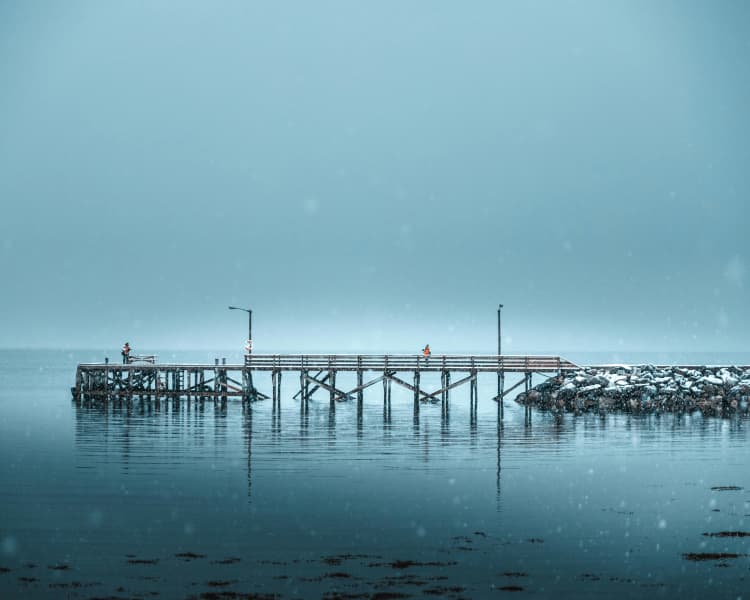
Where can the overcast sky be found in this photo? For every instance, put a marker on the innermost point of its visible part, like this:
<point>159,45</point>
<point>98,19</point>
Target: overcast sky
<point>372,176</point>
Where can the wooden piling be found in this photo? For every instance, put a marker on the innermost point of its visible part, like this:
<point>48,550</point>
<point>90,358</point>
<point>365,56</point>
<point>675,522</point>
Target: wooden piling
<point>416,391</point>
<point>332,383</point>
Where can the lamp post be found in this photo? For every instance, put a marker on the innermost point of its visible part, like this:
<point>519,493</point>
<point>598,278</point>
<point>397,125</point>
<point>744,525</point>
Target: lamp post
<point>499,330</point>
<point>249,321</point>
<point>247,376</point>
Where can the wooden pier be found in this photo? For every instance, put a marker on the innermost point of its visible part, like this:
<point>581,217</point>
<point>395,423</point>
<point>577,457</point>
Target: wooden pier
<point>99,381</point>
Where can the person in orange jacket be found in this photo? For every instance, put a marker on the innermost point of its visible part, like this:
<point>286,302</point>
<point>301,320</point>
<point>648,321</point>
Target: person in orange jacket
<point>426,351</point>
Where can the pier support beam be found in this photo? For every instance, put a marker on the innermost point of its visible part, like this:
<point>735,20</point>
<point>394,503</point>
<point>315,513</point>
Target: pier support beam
<point>276,389</point>
<point>332,388</point>
<point>473,398</point>
<point>416,392</point>
<point>445,380</point>
<point>527,405</point>
<point>303,390</point>
<point>360,387</point>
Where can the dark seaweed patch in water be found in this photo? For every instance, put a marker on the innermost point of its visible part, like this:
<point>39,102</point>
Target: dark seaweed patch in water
<point>143,561</point>
<point>242,596</point>
<point>514,574</point>
<point>535,540</point>
<point>462,538</point>
<point>226,561</point>
<point>480,533</point>
<point>343,596</point>
<point>189,555</point>
<point>337,575</point>
<point>4,570</point>
<point>74,584</point>
<point>699,556</point>
<point>402,580</point>
<point>588,577</point>
<point>59,567</point>
<point>728,534</point>
<point>220,583</point>
<point>405,564</point>
<point>388,595</point>
<point>339,558</point>
<point>442,591</point>
<point>511,588</point>
<point>28,579</point>
<point>726,488</point>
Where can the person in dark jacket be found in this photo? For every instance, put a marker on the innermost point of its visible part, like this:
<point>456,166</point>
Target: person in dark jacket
<point>126,353</point>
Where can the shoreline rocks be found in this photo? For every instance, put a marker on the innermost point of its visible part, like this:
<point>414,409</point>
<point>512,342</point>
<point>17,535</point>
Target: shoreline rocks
<point>720,390</point>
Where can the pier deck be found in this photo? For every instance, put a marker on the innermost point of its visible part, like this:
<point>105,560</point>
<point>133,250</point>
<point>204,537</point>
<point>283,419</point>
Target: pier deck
<point>316,372</point>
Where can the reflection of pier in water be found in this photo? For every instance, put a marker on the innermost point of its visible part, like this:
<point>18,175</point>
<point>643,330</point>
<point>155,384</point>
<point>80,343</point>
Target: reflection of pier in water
<point>132,432</point>
<point>142,436</point>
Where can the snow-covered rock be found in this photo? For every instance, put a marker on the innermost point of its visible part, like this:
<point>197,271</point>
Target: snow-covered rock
<point>713,390</point>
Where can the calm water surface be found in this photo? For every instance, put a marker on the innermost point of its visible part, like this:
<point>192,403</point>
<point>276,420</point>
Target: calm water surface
<point>139,499</point>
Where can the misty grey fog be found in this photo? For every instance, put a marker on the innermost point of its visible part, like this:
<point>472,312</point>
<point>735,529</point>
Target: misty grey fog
<point>374,176</point>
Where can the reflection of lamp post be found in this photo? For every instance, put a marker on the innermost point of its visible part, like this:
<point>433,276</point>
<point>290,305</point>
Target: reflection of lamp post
<point>249,324</point>
<point>500,372</point>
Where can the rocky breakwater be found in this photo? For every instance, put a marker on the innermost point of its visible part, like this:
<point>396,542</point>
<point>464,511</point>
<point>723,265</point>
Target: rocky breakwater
<point>645,388</point>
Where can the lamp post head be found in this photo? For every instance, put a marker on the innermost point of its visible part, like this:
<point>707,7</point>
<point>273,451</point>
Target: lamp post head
<point>499,306</point>
<point>239,308</point>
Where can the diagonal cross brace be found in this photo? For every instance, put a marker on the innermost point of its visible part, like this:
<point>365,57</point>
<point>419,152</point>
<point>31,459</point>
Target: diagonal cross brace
<point>312,391</point>
<point>338,394</point>
<point>409,386</point>
<point>510,389</point>
<point>366,385</point>
<point>425,395</point>
<point>451,386</point>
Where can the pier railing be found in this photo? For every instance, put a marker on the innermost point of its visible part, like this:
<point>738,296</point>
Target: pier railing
<point>487,363</point>
<point>407,362</point>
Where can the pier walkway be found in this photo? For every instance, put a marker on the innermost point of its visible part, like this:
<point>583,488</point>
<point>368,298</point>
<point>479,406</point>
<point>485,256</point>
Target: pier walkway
<point>316,372</point>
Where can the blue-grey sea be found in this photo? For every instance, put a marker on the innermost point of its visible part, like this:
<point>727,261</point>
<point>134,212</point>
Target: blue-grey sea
<point>139,499</point>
